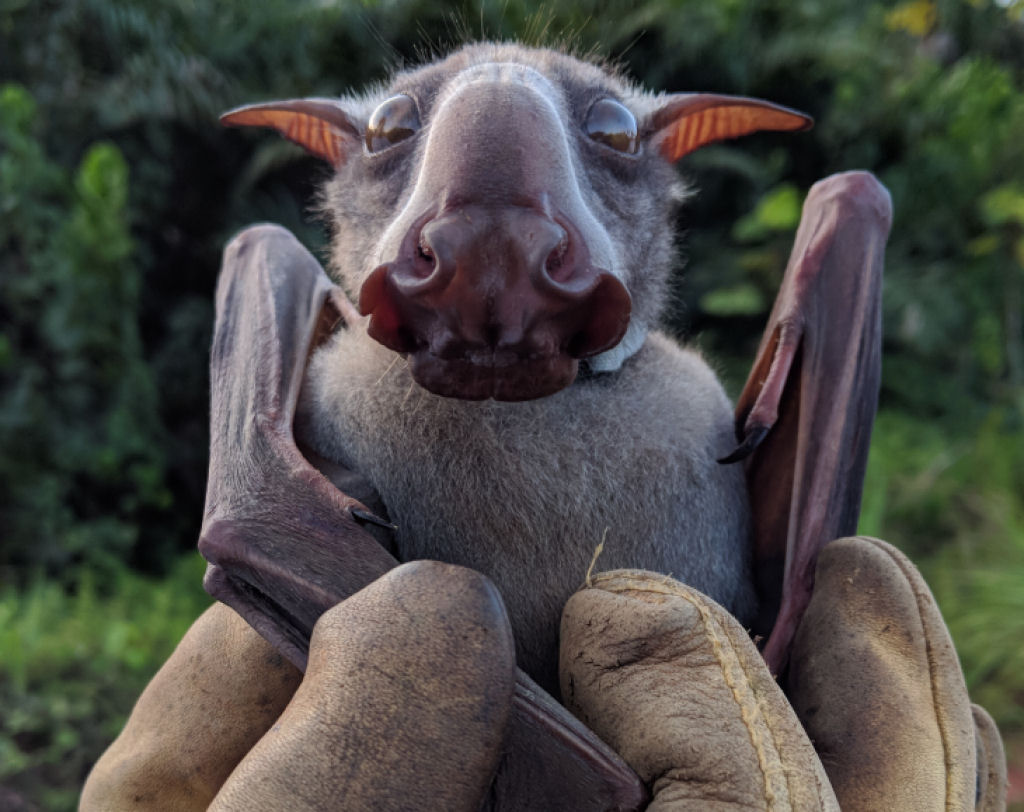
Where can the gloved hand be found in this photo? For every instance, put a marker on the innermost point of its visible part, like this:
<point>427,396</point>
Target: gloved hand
<point>877,716</point>
<point>405,702</point>
<point>403,706</point>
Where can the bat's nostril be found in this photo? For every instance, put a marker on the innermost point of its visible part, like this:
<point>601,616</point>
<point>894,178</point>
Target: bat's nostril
<point>425,262</point>
<point>493,334</point>
<point>555,265</point>
<point>424,265</point>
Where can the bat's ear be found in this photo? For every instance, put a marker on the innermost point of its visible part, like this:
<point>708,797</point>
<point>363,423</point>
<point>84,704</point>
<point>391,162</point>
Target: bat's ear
<point>319,125</point>
<point>688,121</point>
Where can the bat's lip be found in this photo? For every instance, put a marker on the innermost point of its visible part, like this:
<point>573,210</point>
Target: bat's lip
<point>472,331</point>
<point>484,376</point>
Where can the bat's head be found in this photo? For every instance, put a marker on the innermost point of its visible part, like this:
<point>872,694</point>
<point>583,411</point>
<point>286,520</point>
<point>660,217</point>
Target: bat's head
<point>505,213</point>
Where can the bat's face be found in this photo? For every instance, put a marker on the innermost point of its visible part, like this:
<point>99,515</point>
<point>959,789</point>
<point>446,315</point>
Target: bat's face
<point>498,274</point>
<point>524,211</point>
<point>505,213</point>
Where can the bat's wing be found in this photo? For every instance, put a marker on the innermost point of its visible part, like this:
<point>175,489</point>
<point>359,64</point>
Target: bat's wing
<point>273,524</point>
<point>806,412</point>
<point>284,544</point>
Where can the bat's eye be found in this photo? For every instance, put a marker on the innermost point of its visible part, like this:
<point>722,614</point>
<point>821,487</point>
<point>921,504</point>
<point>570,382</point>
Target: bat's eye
<point>613,125</point>
<point>394,121</point>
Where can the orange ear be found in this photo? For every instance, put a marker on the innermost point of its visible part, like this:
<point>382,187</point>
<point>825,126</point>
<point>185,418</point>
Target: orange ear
<point>690,120</point>
<point>319,125</point>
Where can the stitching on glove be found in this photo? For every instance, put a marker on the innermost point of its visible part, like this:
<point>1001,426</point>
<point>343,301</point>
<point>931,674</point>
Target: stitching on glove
<point>923,599</point>
<point>748,711</point>
<point>787,774</point>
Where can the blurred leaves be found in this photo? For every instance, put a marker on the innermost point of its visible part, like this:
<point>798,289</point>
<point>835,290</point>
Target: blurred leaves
<point>777,210</point>
<point>917,17</point>
<point>1004,204</point>
<point>738,300</point>
<point>955,504</point>
<point>72,663</point>
<point>77,408</point>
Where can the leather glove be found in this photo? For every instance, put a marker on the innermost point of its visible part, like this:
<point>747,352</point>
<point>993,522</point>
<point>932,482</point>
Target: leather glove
<point>406,698</point>
<point>404,703</point>
<point>877,715</point>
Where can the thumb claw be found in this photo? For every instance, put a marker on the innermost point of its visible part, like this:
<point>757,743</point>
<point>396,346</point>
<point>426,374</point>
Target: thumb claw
<point>366,517</point>
<point>750,442</point>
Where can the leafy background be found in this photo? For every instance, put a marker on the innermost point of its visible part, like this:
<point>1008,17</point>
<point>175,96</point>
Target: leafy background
<point>118,191</point>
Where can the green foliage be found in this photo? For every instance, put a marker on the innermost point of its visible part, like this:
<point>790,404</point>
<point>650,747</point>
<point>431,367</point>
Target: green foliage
<point>777,210</point>
<point>964,498</point>
<point>738,300</point>
<point>977,583</point>
<point>1004,205</point>
<point>72,664</point>
<point>77,408</point>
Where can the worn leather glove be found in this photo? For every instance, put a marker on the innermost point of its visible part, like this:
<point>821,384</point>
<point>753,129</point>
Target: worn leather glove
<point>409,685</point>
<point>403,706</point>
<point>404,703</point>
<point>877,716</point>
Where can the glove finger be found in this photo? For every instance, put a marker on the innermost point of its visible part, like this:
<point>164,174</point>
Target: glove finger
<point>991,793</point>
<point>213,699</point>
<point>403,706</point>
<point>671,681</point>
<point>875,680</point>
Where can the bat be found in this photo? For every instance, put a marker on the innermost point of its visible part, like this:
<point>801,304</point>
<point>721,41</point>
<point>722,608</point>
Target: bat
<point>503,220</point>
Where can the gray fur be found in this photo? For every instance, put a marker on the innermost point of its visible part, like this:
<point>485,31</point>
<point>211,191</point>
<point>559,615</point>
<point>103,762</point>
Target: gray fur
<point>525,492</point>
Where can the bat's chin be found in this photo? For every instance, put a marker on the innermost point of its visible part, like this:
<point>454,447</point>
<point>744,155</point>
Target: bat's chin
<point>484,375</point>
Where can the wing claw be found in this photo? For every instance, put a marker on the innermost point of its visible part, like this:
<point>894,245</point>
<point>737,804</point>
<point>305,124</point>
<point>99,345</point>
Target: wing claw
<point>366,517</point>
<point>752,439</point>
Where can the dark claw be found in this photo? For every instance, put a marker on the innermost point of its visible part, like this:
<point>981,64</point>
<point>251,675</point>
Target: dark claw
<point>753,439</point>
<point>365,517</point>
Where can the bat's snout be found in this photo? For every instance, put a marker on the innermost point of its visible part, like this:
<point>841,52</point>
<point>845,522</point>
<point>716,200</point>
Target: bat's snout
<point>495,302</point>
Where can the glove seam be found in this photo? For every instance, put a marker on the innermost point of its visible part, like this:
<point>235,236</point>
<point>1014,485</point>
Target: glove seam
<point>907,571</point>
<point>747,710</point>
